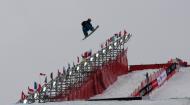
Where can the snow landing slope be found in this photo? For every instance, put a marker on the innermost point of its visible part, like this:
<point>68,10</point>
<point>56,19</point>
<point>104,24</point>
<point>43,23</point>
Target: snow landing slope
<point>177,87</point>
<point>176,91</point>
<point>124,85</point>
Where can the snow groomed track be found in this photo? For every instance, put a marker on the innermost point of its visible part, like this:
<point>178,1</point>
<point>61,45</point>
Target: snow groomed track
<point>173,92</point>
<point>177,87</point>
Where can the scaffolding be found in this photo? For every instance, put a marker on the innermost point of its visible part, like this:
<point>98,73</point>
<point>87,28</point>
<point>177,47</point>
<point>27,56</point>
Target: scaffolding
<point>77,75</point>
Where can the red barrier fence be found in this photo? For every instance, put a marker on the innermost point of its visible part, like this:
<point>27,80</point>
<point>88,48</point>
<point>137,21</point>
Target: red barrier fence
<point>156,80</point>
<point>157,66</point>
<point>147,66</point>
<point>100,79</point>
<point>107,74</point>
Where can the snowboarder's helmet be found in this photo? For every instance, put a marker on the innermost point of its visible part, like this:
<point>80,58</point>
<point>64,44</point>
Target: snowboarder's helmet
<point>89,19</point>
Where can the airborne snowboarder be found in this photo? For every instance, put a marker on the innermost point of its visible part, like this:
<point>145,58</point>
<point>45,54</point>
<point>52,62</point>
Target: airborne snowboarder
<point>87,26</point>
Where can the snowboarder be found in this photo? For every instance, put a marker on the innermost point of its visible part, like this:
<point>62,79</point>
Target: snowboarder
<point>86,26</point>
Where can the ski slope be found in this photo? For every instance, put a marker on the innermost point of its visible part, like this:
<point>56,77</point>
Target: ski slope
<point>177,87</point>
<point>124,85</point>
<point>142,102</point>
<point>176,91</point>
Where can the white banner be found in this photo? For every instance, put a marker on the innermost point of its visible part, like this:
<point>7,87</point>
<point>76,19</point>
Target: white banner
<point>162,78</point>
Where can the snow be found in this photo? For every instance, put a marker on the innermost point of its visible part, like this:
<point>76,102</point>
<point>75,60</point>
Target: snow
<point>172,92</point>
<point>124,85</point>
<point>142,102</point>
<point>177,87</point>
<point>45,35</point>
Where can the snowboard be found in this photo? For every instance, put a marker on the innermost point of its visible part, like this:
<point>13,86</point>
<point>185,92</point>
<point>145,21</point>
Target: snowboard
<point>91,32</point>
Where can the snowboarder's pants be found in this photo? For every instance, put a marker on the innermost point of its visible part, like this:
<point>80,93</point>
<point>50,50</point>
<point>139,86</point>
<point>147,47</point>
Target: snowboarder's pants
<point>86,29</point>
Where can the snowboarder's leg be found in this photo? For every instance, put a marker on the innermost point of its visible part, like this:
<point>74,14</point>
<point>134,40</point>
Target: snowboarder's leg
<point>90,27</point>
<point>85,31</point>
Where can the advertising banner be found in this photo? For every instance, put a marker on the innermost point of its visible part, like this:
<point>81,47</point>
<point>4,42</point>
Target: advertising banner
<point>147,89</point>
<point>171,68</point>
<point>161,78</point>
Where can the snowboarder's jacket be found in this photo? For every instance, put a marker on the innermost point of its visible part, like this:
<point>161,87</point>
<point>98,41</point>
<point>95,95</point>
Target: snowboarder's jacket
<point>87,25</point>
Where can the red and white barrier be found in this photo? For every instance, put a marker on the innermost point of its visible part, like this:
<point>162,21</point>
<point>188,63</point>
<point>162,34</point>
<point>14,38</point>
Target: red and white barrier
<point>100,79</point>
<point>156,80</point>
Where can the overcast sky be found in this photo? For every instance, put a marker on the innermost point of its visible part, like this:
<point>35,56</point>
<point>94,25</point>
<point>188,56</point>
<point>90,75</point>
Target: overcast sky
<point>44,35</point>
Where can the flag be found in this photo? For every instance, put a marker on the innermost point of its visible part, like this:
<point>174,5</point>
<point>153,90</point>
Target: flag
<point>51,75</point>
<point>125,32</point>
<point>109,40</point>
<point>45,81</point>
<point>78,60</point>
<point>73,64</point>
<point>23,96</point>
<point>69,66</point>
<point>89,53</point>
<point>58,73</point>
<point>82,56</point>
<point>30,91</point>
<point>116,35</point>
<point>42,74</point>
<point>102,46</point>
<point>39,88</point>
<point>64,70</point>
<point>120,33</point>
<point>85,54</point>
<point>35,85</point>
<point>106,44</point>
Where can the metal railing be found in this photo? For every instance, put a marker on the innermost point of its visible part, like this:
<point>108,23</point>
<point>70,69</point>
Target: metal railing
<point>76,76</point>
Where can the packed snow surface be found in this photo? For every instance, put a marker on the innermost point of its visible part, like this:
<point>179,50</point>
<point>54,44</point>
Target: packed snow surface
<point>124,85</point>
<point>177,87</point>
<point>176,91</point>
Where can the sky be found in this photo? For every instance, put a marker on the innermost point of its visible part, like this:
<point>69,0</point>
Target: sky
<point>43,36</point>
